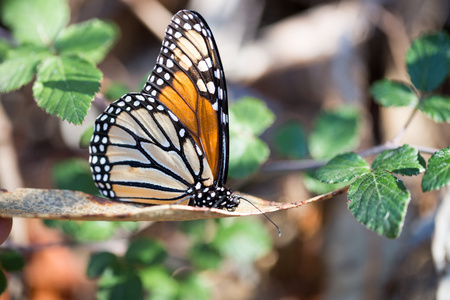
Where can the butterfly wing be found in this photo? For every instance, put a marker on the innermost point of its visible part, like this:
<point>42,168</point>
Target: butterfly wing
<point>170,141</point>
<point>141,152</point>
<point>189,79</point>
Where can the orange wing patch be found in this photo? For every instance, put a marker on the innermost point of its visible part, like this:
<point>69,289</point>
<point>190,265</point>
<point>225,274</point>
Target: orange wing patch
<point>196,113</point>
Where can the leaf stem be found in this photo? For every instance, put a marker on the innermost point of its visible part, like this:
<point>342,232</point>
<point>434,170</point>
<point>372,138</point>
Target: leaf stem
<point>402,131</point>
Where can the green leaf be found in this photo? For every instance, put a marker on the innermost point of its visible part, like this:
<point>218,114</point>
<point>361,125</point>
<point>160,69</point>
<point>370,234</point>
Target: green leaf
<point>84,231</point>
<point>205,256</point>
<point>437,108</point>
<point>124,286</point>
<point>379,200</point>
<point>100,262</point>
<point>194,288</point>
<point>437,174</point>
<point>243,240</point>
<point>11,261</point>
<point>20,66</point>
<point>74,174</point>
<point>290,140</point>
<point>3,282</point>
<point>4,48</point>
<point>250,115</point>
<point>404,160</point>
<point>160,284</point>
<point>85,138</point>
<point>247,153</point>
<point>343,168</point>
<point>426,61</point>
<point>335,131</point>
<point>391,93</point>
<point>91,39</point>
<point>65,87</point>
<point>145,252</point>
<point>35,21</point>
<point>317,187</point>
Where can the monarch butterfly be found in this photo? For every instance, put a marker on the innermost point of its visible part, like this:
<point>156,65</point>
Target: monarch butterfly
<point>169,143</point>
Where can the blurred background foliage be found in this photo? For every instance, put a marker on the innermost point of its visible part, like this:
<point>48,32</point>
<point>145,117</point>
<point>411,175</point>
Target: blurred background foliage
<point>302,71</point>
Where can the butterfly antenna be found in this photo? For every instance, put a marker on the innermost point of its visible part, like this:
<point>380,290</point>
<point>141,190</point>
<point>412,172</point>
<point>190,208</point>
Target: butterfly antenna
<point>264,214</point>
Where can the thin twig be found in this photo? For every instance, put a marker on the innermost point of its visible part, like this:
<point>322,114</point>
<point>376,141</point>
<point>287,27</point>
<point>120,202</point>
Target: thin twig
<point>423,149</point>
<point>289,165</point>
<point>378,149</point>
<point>311,164</point>
<point>402,131</point>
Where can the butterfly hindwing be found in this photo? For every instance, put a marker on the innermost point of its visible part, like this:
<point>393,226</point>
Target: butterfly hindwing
<point>190,81</point>
<point>141,152</point>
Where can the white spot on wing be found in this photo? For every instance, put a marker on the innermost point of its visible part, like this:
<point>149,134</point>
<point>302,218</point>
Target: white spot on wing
<point>172,116</point>
<point>202,66</point>
<point>211,87</point>
<point>199,151</point>
<point>215,106</point>
<point>208,61</point>
<point>201,85</point>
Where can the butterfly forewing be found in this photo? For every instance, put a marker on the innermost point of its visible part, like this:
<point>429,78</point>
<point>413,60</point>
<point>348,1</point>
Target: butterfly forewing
<point>189,78</point>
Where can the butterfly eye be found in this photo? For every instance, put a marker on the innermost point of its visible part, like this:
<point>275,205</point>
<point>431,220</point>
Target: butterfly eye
<point>169,142</point>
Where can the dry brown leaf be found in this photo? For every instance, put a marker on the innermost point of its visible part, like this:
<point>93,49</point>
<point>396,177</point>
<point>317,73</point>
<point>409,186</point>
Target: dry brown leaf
<point>72,205</point>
